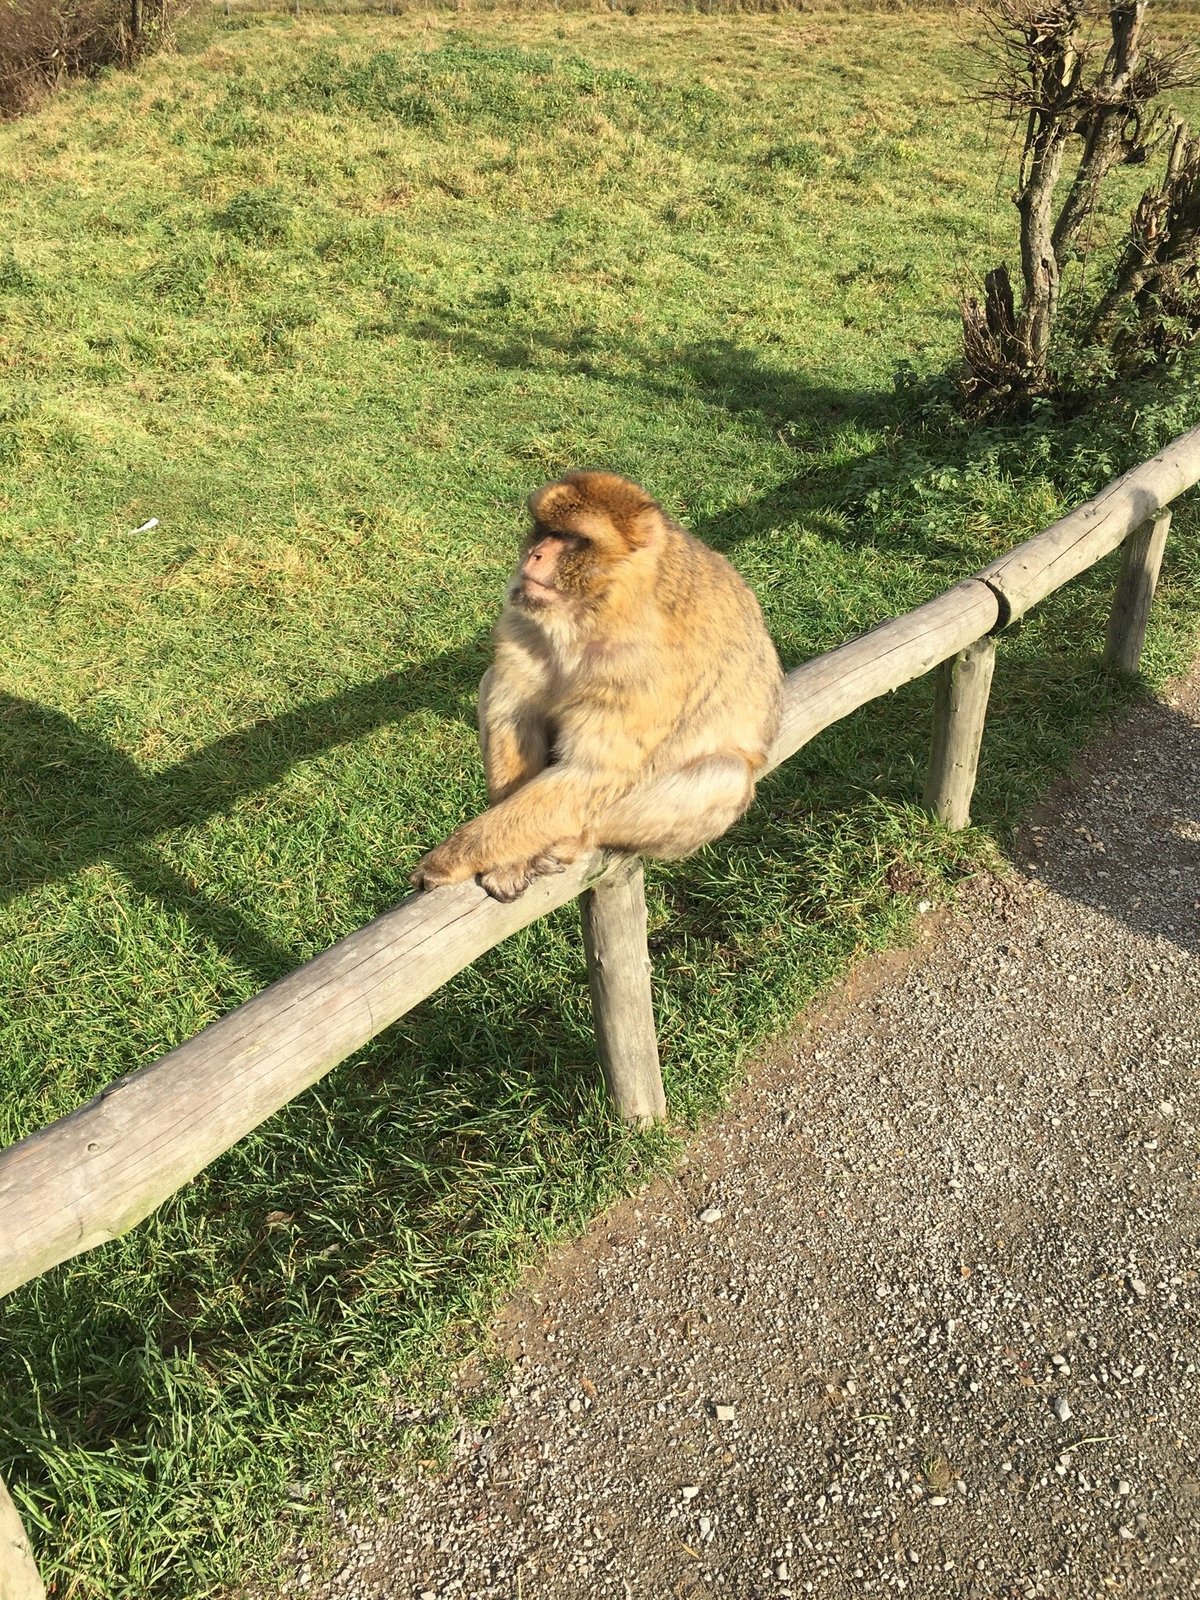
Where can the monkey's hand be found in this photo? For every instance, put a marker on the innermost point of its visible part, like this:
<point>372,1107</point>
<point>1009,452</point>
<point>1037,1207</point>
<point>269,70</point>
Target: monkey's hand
<point>452,863</point>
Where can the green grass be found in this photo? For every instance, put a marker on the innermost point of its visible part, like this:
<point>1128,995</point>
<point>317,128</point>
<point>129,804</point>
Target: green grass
<point>328,300</point>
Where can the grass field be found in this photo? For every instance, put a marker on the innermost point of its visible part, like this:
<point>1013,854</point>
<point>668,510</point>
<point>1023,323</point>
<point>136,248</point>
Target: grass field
<point>327,299</point>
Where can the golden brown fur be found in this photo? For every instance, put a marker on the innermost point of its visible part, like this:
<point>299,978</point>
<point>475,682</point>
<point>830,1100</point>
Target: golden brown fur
<point>631,700</point>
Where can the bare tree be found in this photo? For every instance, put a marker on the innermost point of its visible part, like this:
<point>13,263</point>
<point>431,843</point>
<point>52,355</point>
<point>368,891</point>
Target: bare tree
<point>1152,306</point>
<point>1053,74</point>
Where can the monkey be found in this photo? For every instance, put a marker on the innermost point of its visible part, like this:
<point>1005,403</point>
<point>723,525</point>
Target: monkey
<point>632,697</point>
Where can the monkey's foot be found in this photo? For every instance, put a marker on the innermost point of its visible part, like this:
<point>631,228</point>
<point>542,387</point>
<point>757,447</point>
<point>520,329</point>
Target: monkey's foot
<point>507,882</point>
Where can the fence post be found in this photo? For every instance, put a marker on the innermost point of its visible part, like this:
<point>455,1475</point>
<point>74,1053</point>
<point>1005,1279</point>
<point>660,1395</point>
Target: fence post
<point>1141,558</point>
<point>618,963</point>
<point>18,1576</point>
<point>959,711</point>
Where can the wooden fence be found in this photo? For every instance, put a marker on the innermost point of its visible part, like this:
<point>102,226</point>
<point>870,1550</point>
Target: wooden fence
<point>95,1173</point>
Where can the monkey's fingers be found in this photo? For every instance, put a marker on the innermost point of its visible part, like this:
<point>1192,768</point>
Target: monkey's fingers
<point>439,868</point>
<point>506,883</point>
<point>549,862</point>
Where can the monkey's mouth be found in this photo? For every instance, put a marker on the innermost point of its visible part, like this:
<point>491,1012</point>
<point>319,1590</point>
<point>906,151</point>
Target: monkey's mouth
<point>536,594</point>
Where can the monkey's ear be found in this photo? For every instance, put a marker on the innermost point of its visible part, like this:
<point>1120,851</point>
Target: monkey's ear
<point>643,527</point>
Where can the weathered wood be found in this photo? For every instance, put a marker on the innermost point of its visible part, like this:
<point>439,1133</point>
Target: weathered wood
<point>618,963</point>
<point>1141,559</point>
<point>829,687</point>
<point>1077,541</point>
<point>95,1173</point>
<point>959,713</point>
<point>18,1575</point>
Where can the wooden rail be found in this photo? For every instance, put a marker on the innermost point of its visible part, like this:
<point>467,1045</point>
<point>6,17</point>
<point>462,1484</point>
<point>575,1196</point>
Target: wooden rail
<point>95,1173</point>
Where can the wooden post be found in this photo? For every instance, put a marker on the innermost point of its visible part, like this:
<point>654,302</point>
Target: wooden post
<point>18,1576</point>
<point>959,712</point>
<point>1141,558</point>
<point>618,961</point>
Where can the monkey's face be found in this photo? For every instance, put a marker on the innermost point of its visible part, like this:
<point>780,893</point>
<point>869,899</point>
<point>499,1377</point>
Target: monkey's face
<point>555,569</point>
<point>586,528</point>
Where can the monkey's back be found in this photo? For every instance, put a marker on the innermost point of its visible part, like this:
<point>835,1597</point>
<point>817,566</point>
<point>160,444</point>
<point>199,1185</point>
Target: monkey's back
<point>718,663</point>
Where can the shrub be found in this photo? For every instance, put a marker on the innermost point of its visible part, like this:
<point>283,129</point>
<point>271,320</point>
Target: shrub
<point>42,42</point>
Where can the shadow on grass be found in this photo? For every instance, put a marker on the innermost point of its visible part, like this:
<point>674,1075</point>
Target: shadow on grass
<point>69,799</point>
<point>718,374</point>
<point>894,470</point>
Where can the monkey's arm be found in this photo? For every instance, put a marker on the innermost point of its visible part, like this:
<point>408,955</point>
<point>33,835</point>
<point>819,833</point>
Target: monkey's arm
<point>540,828</point>
<point>605,743</point>
<point>513,728</point>
<point>550,810</point>
<point>668,816</point>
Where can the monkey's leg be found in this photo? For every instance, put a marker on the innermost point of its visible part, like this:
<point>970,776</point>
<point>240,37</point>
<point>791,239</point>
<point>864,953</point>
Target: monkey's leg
<point>551,820</point>
<point>679,812</point>
<point>539,828</point>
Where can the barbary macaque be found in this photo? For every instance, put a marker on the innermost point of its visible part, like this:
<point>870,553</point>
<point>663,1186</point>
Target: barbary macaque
<point>632,699</point>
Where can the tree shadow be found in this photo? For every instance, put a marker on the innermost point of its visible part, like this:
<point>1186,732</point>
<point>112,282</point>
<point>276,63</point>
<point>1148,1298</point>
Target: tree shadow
<point>898,496</point>
<point>787,402</point>
<point>69,798</point>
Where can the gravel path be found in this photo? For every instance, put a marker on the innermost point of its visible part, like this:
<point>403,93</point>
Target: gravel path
<point>920,1315</point>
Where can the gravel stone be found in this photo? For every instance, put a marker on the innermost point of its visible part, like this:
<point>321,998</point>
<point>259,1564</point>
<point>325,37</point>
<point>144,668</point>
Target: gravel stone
<point>970,1175</point>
